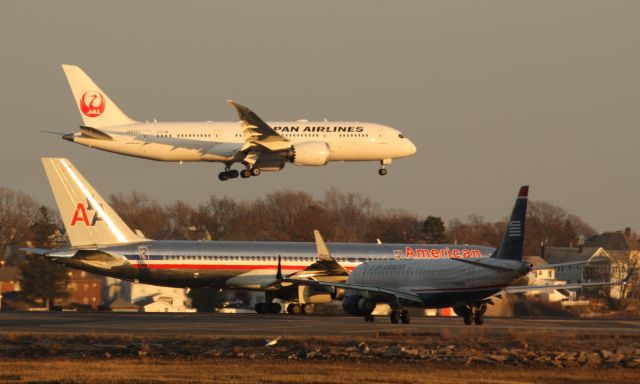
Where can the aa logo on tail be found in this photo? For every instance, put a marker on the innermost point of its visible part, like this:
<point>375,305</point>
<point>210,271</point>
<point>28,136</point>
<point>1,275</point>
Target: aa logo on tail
<point>92,104</point>
<point>81,215</point>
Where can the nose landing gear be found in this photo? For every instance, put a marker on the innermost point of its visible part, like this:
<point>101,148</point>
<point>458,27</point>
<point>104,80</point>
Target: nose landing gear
<point>472,313</point>
<point>399,315</point>
<point>383,171</point>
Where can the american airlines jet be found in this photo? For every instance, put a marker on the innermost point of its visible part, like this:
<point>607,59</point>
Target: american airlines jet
<point>256,145</point>
<point>465,284</point>
<point>101,243</point>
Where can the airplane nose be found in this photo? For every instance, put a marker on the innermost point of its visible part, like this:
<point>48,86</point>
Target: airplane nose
<point>411,148</point>
<point>68,137</point>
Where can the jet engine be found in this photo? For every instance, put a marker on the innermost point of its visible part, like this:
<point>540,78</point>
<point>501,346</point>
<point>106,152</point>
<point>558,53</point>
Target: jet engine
<point>357,305</point>
<point>309,153</point>
<point>338,294</point>
<point>310,295</point>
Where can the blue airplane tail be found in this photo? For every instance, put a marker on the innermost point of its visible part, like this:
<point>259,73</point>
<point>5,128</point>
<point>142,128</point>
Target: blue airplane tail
<point>512,244</point>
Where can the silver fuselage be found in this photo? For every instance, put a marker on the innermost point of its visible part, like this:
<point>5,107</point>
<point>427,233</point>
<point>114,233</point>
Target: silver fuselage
<point>240,264</point>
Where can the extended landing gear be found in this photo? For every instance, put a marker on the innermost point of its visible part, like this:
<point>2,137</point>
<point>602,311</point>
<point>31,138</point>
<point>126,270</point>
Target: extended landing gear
<point>232,173</point>
<point>263,308</point>
<point>472,313</point>
<point>228,173</point>
<point>300,309</point>
<point>399,315</point>
<point>383,171</point>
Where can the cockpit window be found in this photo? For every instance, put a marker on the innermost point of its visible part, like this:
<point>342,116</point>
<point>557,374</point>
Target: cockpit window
<point>400,135</point>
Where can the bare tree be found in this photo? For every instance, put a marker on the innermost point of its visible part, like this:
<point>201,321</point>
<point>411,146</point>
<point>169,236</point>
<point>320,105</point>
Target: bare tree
<point>141,212</point>
<point>17,212</point>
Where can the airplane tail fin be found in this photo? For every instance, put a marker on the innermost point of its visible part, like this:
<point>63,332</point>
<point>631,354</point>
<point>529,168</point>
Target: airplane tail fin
<point>96,108</point>
<point>87,217</point>
<point>512,244</point>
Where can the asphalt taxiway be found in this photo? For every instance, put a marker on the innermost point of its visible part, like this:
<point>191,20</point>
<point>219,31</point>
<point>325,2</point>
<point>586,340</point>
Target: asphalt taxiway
<point>255,325</point>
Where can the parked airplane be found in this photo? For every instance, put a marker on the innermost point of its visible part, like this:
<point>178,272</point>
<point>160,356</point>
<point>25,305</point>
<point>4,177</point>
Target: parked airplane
<point>257,145</point>
<point>467,285</point>
<point>101,243</point>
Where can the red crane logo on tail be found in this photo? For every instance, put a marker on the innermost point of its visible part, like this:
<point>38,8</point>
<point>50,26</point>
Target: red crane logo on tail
<point>92,104</point>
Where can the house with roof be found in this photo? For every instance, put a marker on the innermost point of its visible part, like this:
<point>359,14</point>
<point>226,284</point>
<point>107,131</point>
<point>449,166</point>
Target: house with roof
<point>545,276</point>
<point>9,281</point>
<point>606,257</point>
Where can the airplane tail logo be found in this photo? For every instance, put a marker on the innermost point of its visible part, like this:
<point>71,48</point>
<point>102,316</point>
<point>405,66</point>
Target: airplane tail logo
<point>512,243</point>
<point>82,207</point>
<point>81,215</point>
<point>92,101</point>
<point>92,104</point>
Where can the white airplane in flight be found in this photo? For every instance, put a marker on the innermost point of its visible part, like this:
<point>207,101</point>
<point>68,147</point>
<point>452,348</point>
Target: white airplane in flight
<point>257,145</point>
<point>465,284</point>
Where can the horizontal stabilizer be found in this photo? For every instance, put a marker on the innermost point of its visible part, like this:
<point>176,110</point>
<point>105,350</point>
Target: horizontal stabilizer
<point>95,133</point>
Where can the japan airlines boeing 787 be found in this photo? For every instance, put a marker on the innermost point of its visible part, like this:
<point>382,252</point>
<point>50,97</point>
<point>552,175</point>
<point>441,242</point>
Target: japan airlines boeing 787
<point>257,145</point>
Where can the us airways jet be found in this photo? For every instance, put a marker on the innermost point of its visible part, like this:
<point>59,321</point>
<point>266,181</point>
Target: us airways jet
<point>256,145</point>
<point>101,243</point>
<point>465,284</point>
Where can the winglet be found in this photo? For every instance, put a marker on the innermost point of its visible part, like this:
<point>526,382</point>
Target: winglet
<point>279,273</point>
<point>322,249</point>
<point>241,109</point>
<point>256,129</point>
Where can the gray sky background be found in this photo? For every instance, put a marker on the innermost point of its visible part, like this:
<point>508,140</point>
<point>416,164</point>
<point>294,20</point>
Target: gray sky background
<point>494,94</point>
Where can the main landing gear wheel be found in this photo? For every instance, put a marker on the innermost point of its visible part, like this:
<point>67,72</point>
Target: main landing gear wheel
<point>399,315</point>
<point>255,171</point>
<point>228,174</point>
<point>382,171</point>
<point>245,173</point>
<point>394,316</point>
<point>262,308</point>
<point>468,318</point>
<point>478,319</point>
<point>275,308</point>
<point>405,317</point>
<point>308,309</point>
<point>294,309</point>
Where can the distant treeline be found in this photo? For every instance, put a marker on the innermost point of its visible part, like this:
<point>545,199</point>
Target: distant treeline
<point>292,216</point>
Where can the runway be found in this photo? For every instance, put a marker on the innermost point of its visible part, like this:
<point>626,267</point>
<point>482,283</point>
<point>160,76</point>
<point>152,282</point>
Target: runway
<point>262,325</point>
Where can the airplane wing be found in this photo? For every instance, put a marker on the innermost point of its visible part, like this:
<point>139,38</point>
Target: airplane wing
<point>395,293</point>
<point>258,135</point>
<point>528,288</point>
<point>547,266</point>
<point>326,268</point>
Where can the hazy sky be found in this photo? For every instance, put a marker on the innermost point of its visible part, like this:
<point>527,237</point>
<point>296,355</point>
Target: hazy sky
<point>494,94</point>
